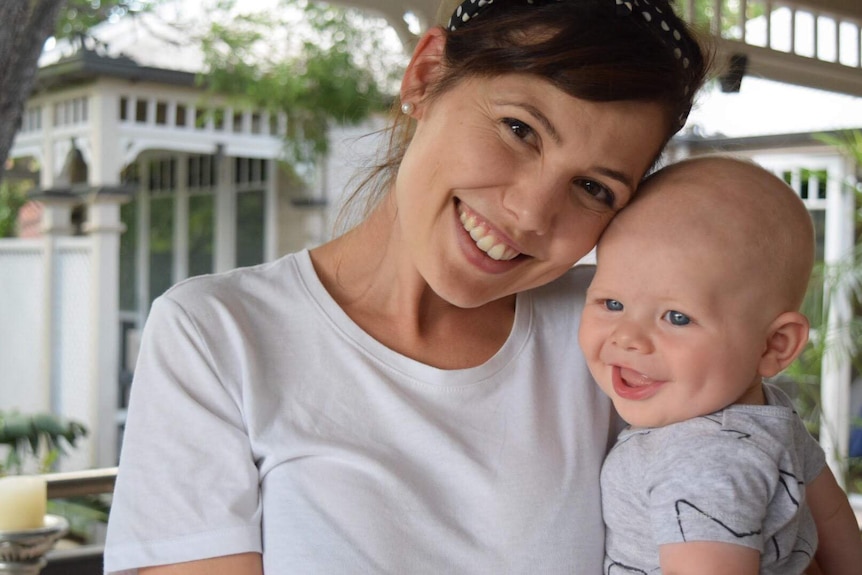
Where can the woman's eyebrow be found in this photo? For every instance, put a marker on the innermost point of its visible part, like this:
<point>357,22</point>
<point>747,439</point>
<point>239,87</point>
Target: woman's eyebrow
<point>536,114</point>
<point>543,120</point>
<point>617,175</point>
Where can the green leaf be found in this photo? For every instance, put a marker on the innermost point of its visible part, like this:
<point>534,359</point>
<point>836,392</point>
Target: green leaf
<point>329,70</point>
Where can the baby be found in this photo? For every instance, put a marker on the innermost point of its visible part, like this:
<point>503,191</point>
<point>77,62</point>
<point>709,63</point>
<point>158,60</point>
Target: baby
<point>695,299</point>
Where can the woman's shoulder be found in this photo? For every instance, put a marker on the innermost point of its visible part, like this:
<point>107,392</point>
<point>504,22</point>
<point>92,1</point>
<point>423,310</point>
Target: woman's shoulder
<point>240,285</point>
<point>240,281</point>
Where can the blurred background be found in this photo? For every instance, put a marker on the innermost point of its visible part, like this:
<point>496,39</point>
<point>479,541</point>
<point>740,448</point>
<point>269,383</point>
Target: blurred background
<point>145,142</point>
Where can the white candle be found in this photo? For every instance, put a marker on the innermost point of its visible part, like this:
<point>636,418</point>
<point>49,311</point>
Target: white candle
<point>23,499</point>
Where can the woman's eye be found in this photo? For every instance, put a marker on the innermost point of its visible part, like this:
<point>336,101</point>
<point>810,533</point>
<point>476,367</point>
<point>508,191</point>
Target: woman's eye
<point>598,191</point>
<point>677,318</point>
<point>613,305</point>
<point>521,130</point>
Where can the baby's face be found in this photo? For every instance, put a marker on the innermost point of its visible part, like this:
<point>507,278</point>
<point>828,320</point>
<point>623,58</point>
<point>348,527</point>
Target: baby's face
<point>670,330</point>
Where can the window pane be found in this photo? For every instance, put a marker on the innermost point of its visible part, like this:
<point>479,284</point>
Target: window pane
<point>200,119</point>
<point>161,113</point>
<point>161,245</point>
<point>819,218</point>
<point>201,234</point>
<point>141,111</point>
<point>128,253</point>
<point>249,228</point>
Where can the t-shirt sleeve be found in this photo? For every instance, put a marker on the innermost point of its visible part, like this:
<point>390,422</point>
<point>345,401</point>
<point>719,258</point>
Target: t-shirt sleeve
<point>187,487</point>
<point>813,457</point>
<point>715,490</point>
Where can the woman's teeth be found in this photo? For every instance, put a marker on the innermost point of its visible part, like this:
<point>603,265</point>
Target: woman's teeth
<point>485,240</point>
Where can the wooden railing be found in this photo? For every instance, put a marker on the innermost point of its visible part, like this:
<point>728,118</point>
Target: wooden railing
<point>74,483</point>
<point>86,559</point>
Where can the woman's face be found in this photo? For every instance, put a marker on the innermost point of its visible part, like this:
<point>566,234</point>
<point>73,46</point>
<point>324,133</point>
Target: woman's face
<point>509,181</point>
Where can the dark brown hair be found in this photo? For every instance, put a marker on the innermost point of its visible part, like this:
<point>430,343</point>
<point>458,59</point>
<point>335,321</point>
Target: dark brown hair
<point>586,48</point>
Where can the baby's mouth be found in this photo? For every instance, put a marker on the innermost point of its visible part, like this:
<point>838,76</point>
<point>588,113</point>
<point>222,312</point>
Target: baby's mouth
<point>484,237</point>
<point>631,384</point>
<point>634,378</point>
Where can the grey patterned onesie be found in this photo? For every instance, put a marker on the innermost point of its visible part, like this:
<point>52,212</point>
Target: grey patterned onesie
<point>735,476</point>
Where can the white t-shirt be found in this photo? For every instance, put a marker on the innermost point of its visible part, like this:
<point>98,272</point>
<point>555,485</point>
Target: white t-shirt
<point>263,419</point>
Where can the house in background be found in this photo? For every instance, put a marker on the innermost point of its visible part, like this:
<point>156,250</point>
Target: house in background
<point>137,161</point>
<point>134,160</point>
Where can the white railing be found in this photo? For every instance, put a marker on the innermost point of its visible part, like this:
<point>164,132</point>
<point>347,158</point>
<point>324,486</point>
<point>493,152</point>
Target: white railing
<point>789,41</point>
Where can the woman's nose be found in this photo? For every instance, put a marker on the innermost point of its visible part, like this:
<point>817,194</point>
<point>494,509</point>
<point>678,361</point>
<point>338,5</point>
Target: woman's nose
<point>535,202</point>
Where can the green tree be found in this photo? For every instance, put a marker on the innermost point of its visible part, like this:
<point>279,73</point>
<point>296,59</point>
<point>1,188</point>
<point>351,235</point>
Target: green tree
<point>334,65</point>
<point>829,282</point>
<point>12,197</point>
<point>726,19</point>
<point>25,25</point>
<point>318,64</point>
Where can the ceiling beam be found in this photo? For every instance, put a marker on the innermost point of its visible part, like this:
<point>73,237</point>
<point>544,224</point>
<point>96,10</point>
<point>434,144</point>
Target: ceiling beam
<point>844,9</point>
<point>793,68</point>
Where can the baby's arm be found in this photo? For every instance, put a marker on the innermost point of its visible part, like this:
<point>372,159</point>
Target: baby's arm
<point>839,550</point>
<point>708,558</point>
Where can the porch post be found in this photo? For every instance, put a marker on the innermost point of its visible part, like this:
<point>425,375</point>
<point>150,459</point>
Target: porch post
<point>56,222</point>
<point>104,227</point>
<point>836,367</point>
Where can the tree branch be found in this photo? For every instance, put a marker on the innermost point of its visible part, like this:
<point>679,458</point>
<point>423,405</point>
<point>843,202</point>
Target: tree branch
<point>27,24</point>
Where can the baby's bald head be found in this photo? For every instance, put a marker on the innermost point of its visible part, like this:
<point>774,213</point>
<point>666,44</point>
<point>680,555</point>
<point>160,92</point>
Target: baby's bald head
<point>738,214</point>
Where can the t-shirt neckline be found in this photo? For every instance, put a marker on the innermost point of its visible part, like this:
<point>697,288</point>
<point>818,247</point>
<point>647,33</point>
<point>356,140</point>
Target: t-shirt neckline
<point>391,359</point>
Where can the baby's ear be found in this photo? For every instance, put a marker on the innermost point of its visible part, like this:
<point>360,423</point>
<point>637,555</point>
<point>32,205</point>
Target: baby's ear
<point>786,339</point>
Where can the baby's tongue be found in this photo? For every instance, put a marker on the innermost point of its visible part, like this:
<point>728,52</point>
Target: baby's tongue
<point>634,378</point>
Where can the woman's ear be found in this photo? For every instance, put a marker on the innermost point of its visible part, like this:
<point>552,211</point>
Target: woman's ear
<point>424,68</point>
<point>786,339</point>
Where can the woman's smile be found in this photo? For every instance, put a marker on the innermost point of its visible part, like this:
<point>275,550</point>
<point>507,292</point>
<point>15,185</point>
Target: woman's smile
<point>482,244</point>
<point>486,237</point>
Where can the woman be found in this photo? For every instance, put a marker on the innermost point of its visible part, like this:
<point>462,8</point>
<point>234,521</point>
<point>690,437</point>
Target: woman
<point>410,397</point>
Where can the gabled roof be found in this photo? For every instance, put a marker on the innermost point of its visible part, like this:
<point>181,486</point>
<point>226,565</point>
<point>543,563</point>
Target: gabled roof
<point>85,65</point>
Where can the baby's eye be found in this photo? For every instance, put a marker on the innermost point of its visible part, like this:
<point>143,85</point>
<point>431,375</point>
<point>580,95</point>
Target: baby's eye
<point>677,318</point>
<point>596,190</point>
<point>520,130</point>
<point>613,305</point>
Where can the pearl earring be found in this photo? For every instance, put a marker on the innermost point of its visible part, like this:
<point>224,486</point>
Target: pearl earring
<point>407,108</point>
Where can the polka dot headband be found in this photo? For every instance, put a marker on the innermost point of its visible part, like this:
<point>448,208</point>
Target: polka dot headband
<point>650,10</point>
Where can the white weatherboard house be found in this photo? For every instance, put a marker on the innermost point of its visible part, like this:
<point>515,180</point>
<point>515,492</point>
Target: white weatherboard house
<point>146,182</point>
